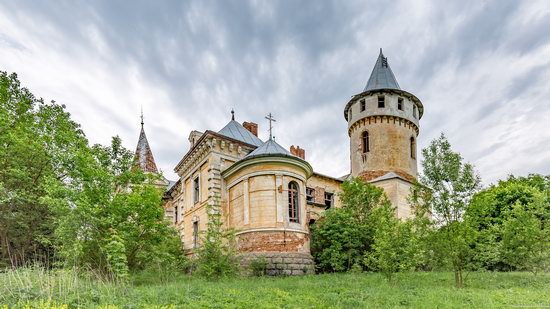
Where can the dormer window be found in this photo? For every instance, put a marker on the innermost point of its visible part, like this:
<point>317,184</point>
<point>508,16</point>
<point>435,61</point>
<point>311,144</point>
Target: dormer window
<point>381,101</point>
<point>400,104</point>
<point>363,105</point>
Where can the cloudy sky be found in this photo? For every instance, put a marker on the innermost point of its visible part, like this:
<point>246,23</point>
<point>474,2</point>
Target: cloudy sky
<point>481,68</point>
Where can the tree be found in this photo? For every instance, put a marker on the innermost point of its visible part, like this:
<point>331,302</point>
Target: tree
<point>342,236</point>
<point>446,187</point>
<point>492,207</point>
<point>216,255</point>
<point>38,146</point>
<point>397,244</point>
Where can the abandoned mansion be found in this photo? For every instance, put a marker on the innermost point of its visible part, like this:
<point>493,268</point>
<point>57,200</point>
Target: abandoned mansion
<point>269,194</point>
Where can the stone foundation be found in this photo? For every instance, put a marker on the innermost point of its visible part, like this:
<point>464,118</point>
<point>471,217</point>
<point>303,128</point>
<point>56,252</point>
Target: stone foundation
<point>280,263</point>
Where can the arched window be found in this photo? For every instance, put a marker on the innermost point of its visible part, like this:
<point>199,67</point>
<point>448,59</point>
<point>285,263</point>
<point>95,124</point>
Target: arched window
<point>365,141</point>
<point>293,202</point>
<point>413,148</point>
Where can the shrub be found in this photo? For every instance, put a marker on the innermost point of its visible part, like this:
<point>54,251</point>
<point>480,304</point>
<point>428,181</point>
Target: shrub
<point>258,266</point>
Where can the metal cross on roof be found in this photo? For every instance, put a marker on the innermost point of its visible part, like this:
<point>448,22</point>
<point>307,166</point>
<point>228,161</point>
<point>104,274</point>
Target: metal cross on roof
<point>271,119</point>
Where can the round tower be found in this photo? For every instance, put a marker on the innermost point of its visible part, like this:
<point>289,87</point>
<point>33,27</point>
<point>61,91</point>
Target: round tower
<point>383,125</point>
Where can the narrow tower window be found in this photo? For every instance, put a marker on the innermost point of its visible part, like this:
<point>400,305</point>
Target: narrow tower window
<point>381,101</point>
<point>414,111</point>
<point>293,202</point>
<point>363,105</point>
<point>413,148</point>
<point>349,113</point>
<point>400,104</point>
<point>365,142</point>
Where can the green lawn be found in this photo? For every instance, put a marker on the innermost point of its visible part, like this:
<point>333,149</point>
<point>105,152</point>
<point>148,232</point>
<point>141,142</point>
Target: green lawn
<point>367,290</point>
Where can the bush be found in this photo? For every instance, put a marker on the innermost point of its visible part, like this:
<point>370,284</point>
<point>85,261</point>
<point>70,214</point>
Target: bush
<point>258,266</point>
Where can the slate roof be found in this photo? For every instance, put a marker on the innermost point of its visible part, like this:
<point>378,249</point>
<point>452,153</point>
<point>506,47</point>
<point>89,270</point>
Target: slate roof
<point>270,147</point>
<point>236,131</point>
<point>143,157</point>
<point>382,76</point>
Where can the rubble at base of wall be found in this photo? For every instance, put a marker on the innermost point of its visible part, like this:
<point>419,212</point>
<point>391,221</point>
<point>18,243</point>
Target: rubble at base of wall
<point>280,263</point>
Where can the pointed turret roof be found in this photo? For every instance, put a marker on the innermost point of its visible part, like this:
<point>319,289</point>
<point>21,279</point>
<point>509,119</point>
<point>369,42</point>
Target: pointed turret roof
<point>143,157</point>
<point>382,76</point>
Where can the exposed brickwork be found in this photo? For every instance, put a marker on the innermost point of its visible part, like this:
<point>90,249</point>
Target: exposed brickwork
<point>252,127</point>
<point>280,263</point>
<point>297,151</point>
<point>319,196</point>
<point>273,242</point>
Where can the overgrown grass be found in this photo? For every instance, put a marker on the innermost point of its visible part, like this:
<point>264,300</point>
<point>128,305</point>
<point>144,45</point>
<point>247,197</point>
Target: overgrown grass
<point>38,288</point>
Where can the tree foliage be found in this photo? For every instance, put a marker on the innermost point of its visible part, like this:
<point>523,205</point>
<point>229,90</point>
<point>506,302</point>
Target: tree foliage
<point>445,189</point>
<point>216,255</point>
<point>61,198</point>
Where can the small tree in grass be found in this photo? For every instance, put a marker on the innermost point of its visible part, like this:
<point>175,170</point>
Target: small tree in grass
<point>397,244</point>
<point>446,187</point>
<point>216,254</point>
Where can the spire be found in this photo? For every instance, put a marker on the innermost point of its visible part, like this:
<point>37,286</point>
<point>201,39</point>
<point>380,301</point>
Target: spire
<point>382,76</point>
<point>143,157</point>
<point>232,114</point>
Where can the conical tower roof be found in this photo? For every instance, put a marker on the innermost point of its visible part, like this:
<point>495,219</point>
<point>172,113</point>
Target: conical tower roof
<point>382,76</point>
<point>143,157</point>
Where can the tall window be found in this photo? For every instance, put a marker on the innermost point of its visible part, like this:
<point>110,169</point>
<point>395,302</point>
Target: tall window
<point>329,199</point>
<point>176,214</point>
<point>310,195</point>
<point>293,202</point>
<point>413,148</point>
<point>381,101</point>
<point>365,142</point>
<point>363,105</point>
<point>195,234</point>
<point>196,190</point>
<point>400,104</point>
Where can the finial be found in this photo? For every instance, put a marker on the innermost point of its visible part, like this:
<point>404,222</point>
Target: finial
<point>232,114</point>
<point>271,119</point>
<point>381,51</point>
<point>142,115</point>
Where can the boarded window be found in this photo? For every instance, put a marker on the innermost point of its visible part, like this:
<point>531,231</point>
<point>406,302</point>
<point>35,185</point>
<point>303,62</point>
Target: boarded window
<point>365,142</point>
<point>400,104</point>
<point>363,105</point>
<point>293,202</point>
<point>381,101</point>
<point>329,200</point>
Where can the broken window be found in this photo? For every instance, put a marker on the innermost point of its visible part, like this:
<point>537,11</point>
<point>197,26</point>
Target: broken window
<point>365,142</point>
<point>363,105</point>
<point>196,190</point>
<point>293,202</point>
<point>381,101</point>
<point>329,199</point>
<point>400,104</point>
<point>310,195</point>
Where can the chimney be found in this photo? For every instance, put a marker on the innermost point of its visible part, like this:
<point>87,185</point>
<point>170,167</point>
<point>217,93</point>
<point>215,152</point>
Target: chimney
<point>252,127</point>
<point>297,151</point>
